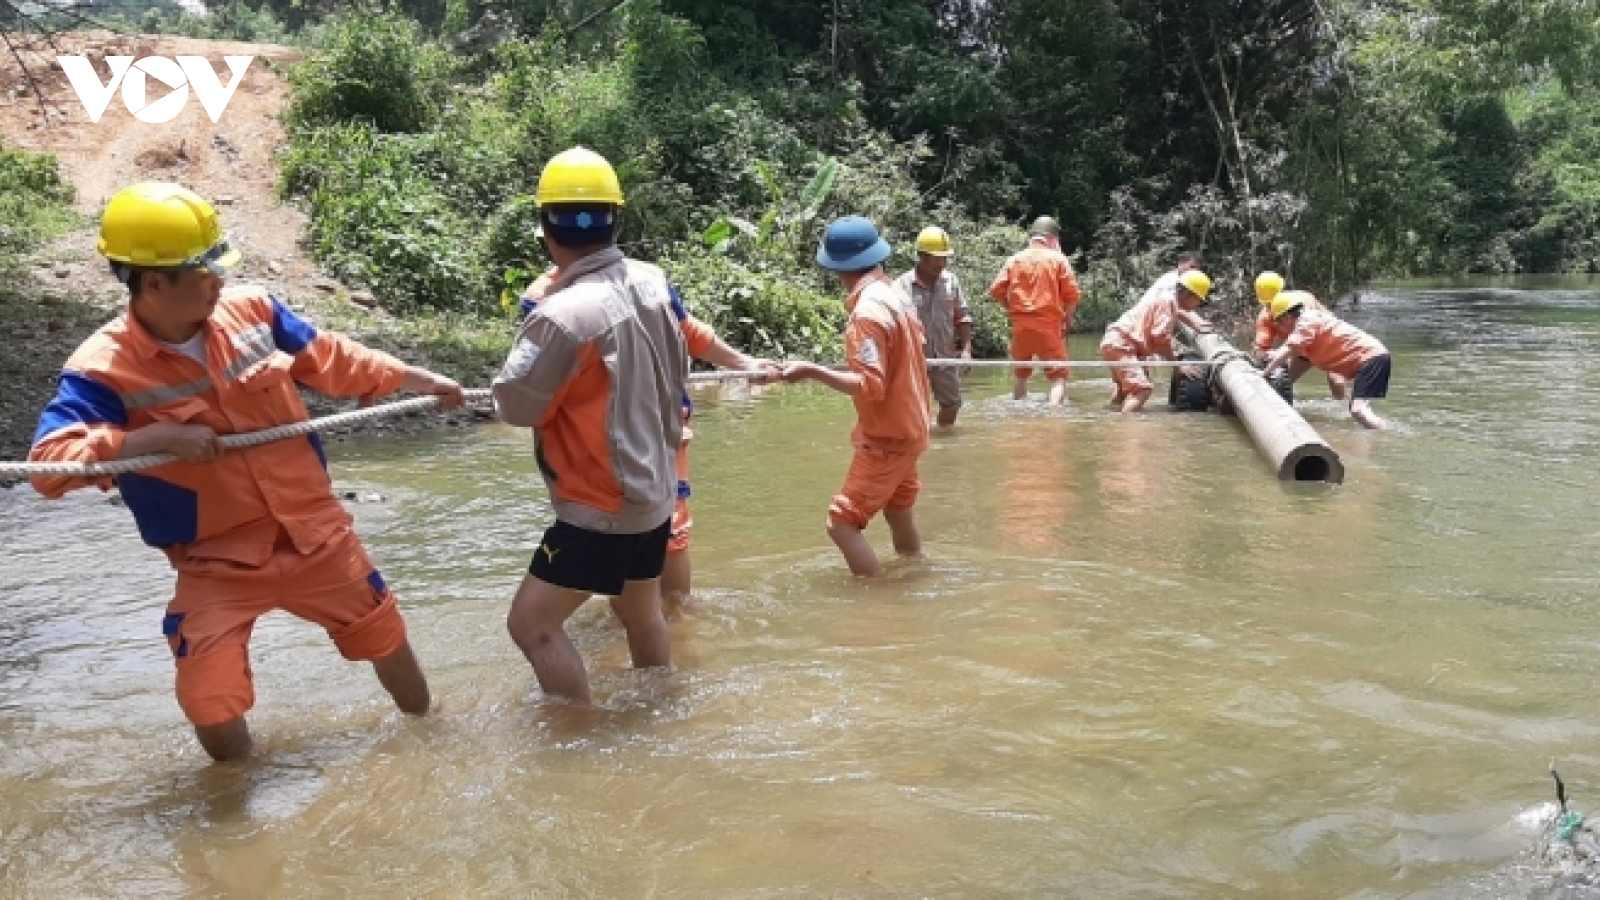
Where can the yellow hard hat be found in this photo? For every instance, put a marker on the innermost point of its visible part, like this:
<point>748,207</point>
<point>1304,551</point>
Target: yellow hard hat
<point>1197,282</point>
<point>578,175</point>
<point>1286,301</point>
<point>1268,284</point>
<point>159,225</point>
<point>934,242</point>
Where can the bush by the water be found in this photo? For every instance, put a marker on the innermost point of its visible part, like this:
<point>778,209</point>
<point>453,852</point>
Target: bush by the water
<point>35,203</point>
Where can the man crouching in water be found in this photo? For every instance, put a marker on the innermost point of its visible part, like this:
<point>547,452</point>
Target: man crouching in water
<point>888,379</point>
<point>598,371</point>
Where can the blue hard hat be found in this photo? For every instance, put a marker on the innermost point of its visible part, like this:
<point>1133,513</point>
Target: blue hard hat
<point>851,244</point>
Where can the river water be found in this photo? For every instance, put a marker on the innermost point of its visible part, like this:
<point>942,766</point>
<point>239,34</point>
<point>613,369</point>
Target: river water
<point>1131,664</point>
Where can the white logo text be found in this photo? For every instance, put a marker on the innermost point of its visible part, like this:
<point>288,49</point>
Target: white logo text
<point>188,71</point>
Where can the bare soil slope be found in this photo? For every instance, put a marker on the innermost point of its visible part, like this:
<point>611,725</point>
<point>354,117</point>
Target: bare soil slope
<point>230,161</point>
<point>69,292</point>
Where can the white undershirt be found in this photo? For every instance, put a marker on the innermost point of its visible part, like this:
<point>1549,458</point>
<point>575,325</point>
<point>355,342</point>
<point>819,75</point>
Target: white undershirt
<point>194,348</point>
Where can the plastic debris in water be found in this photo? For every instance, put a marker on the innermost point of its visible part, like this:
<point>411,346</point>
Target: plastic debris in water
<point>1569,825</point>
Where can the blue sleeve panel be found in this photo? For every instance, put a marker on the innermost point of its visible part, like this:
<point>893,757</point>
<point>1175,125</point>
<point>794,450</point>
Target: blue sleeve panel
<point>290,333</point>
<point>80,400</point>
<point>682,312</point>
<point>166,513</point>
<point>316,444</point>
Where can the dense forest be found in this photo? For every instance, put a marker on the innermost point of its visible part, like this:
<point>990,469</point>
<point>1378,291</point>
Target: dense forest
<point>1335,140</point>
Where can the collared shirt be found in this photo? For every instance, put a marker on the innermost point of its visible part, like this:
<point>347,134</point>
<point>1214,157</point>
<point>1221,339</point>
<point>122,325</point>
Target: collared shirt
<point>233,507</point>
<point>1038,289</point>
<point>941,307</point>
<point>1146,329</point>
<point>883,344</point>
<point>598,371</point>
<point>1331,344</point>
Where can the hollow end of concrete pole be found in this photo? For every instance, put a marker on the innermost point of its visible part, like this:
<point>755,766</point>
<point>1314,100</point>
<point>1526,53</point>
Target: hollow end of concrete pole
<point>1312,462</point>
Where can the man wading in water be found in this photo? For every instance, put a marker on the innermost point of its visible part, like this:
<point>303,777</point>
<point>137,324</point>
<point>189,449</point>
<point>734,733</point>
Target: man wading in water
<point>1146,332</point>
<point>946,320</point>
<point>248,531</point>
<point>1334,346</point>
<point>677,578</point>
<point>1271,333</point>
<point>598,371</point>
<point>1039,292</point>
<point>888,380</point>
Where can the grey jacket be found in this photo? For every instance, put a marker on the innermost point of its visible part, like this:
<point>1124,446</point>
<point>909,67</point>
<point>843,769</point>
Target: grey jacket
<point>598,371</point>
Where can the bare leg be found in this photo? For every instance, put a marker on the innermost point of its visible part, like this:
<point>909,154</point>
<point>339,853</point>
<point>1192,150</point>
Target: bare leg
<point>1019,388</point>
<point>1136,400</point>
<point>947,415</point>
<point>676,581</point>
<point>1361,411</point>
<point>226,742</point>
<point>903,528</point>
<point>1337,386</point>
<point>538,614</point>
<point>1298,367</point>
<point>1058,391</point>
<point>639,608</point>
<point>852,542</point>
<point>401,676</point>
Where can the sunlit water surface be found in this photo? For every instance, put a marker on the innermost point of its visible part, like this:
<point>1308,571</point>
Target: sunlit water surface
<point>1131,663</point>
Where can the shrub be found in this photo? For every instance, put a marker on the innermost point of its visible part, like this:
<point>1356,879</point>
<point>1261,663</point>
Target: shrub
<point>34,203</point>
<point>371,68</point>
<point>378,219</point>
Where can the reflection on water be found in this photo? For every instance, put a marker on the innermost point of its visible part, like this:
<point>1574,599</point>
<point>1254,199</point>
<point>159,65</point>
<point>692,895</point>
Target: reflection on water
<point>1130,664</point>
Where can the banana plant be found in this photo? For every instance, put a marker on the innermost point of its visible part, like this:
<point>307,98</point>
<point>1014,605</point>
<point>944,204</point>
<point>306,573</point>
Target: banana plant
<point>778,222</point>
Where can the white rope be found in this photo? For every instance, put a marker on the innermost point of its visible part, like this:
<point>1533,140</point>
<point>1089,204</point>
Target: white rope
<point>1065,363</point>
<point>740,375</point>
<point>12,471</point>
<point>16,471</point>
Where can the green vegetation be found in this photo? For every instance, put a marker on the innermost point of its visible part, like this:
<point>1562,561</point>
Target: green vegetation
<point>35,203</point>
<point>1337,141</point>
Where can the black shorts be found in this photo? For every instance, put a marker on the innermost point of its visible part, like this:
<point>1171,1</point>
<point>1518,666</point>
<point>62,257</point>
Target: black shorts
<point>597,562</point>
<point>1372,379</point>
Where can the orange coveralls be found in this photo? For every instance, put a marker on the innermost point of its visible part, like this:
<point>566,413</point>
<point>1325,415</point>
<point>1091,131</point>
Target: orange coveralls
<point>1331,344</point>
<point>883,343</point>
<point>253,530</point>
<point>1144,331</point>
<point>1039,291</point>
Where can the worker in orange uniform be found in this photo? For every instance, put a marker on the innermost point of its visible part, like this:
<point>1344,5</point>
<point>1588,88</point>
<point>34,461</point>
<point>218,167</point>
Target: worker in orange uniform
<point>1146,332</point>
<point>1039,292</point>
<point>1271,334</point>
<point>1168,284</point>
<point>1335,346</point>
<point>888,380</point>
<point>598,371</point>
<point>946,320</point>
<point>247,531</point>
<point>677,578</point>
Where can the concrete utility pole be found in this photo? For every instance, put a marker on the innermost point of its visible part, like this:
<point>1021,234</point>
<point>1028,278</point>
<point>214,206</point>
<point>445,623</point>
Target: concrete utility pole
<point>1290,445</point>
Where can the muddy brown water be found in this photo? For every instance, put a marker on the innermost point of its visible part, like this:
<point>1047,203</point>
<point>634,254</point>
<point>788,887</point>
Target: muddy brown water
<point>1132,664</point>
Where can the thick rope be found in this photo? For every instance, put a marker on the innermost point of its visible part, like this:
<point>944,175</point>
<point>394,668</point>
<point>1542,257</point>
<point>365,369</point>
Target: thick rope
<point>740,375</point>
<point>12,471</point>
<point>17,471</point>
